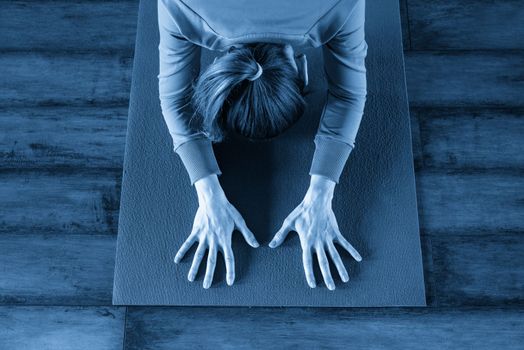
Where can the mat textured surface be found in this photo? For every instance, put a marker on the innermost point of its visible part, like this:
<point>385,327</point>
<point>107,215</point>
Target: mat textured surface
<point>375,201</point>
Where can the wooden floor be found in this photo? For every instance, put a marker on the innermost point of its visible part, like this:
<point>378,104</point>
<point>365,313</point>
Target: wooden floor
<point>65,78</point>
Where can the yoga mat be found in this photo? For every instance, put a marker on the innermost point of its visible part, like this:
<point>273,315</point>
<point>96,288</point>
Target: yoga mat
<point>375,201</point>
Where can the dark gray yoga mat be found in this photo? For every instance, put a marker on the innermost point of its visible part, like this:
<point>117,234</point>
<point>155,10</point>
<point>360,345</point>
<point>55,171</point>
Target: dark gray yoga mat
<point>375,201</point>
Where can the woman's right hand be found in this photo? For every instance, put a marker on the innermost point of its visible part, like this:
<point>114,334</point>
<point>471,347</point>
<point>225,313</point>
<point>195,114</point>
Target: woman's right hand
<point>213,226</point>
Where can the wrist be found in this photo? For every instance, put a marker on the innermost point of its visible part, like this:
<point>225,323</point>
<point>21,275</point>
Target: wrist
<point>321,186</point>
<point>208,188</point>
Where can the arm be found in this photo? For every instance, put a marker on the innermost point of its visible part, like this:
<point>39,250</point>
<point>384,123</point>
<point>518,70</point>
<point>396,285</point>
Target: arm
<point>216,217</point>
<point>344,66</point>
<point>179,65</point>
<point>313,219</point>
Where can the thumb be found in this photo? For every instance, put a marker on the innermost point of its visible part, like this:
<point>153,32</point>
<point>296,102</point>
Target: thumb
<point>281,235</point>
<point>248,235</point>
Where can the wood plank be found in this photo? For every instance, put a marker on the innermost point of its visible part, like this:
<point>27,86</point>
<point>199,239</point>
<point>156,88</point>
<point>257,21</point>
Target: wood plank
<point>229,328</point>
<point>478,270</point>
<point>473,270</point>
<point>56,269</point>
<point>69,202</point>
<point>94,137</point>
<point>68,26</point>
<point>466,24</point>
<point>88,201</point>
<point>458,138</point>
<point>62,136</point>
<point>434,78</point>
<point>465,78</point>
<point>475,202</point>
<point>50,328</point>
<point>427,264</point>
<point>43,79</point>
<point>416,141</point>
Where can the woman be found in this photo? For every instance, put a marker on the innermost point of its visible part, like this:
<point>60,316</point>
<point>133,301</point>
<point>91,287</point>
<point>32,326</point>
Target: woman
<point>256,89</point>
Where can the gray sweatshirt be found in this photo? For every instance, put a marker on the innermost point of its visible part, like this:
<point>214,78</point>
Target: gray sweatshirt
<point>337,25</point>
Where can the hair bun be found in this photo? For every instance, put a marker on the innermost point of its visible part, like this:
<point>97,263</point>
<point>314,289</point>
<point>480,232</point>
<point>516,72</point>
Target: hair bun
<point>258,74</point>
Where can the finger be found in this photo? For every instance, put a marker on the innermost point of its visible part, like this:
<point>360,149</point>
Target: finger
<point>281,234</point>
<point>229,258</point>
<point>211,263</point>
<point>307,261</point>
<point>324,268</point>
<point>248,235</point>
<point>197,259</point>
<point>185,247</point>
<point>347,246</point>
<point>338,262</point>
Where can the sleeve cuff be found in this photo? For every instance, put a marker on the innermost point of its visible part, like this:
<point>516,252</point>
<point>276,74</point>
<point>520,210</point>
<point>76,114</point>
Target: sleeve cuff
<point>198,158</point>
<point>329,158</point>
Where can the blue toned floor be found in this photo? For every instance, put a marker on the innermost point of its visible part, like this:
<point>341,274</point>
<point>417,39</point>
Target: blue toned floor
<point>66,74</point>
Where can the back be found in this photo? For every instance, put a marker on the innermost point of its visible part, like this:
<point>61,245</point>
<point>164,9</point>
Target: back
<point>219,24</point>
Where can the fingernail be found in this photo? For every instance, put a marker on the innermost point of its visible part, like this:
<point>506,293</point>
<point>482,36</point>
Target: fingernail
<point>312,285</point>
<point>331,287</point>
<point>271,244</point>
<point>191,278</point>
<point>345,278</point>
<point>230,281</point>
<point>206,285</point>
<point>176,260</point>
<point>256,244</point>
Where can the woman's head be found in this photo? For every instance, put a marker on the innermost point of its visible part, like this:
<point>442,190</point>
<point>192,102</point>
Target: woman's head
<point>256,90</point>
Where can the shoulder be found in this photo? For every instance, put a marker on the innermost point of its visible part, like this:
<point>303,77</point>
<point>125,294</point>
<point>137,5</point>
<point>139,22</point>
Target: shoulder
<point>174,15</point>
<point>343,15</point>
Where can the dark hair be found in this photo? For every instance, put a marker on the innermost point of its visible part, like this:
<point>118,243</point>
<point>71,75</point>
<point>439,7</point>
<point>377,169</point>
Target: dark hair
<point>224,97</point>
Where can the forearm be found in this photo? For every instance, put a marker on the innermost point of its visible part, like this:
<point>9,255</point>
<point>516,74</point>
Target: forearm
<point>344,64</point>
<point>193,147</point>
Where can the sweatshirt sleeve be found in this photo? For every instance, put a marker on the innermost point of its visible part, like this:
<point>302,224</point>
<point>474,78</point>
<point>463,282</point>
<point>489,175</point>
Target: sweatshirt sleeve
<point>344,66</point>
<point>179,65</point>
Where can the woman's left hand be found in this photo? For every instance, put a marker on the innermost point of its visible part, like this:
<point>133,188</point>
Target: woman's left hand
<point>314,221</point>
